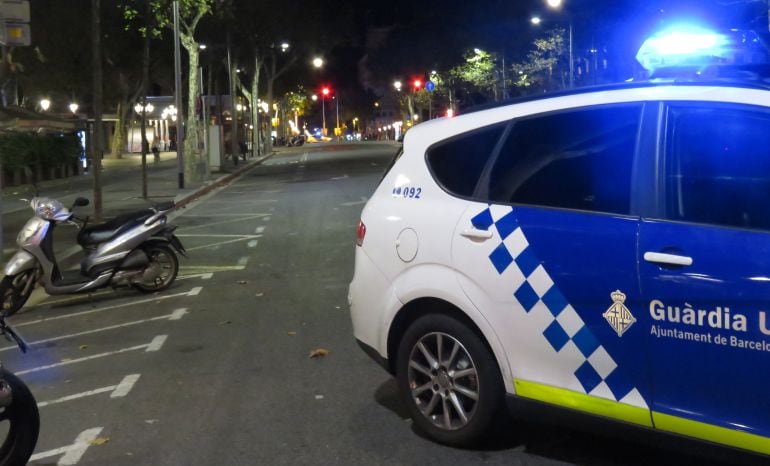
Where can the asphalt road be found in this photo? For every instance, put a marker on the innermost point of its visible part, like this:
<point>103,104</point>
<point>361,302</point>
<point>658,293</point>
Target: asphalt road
<point>216,370</point>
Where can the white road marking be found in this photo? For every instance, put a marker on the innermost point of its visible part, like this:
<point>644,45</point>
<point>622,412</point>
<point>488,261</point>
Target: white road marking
<point>125,386</point>
<point>305,156</point>
<point>221,243</point>
<point>339,177</point>
<point>72,453</point>
<point>259,230</point>
<point>202,276</point>
<point>156,342</point>
<point>363,200</point>
<point>252,244</point>
<point>193,292</point>
<point>266,219</point>
<point>119,390</point>
<point>243,261</point>
<point>176,315</point>
<point>219,236</point>
<point>242,218</point>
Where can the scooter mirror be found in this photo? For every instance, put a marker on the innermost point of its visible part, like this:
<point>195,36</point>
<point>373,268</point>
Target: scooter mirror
<point>80,202</point>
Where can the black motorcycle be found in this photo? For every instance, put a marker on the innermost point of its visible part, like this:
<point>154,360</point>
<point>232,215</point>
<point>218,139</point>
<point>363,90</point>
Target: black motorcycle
<point>19,410</point>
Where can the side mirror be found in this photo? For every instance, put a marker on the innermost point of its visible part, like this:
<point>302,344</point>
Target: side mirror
<point>80,202</point>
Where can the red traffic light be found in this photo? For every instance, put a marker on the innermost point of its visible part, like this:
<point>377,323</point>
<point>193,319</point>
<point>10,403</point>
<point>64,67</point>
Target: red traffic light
<point>417,84</point>
<point>325,91</point>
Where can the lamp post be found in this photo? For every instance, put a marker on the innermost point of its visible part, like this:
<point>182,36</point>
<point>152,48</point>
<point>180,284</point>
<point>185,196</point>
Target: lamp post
<point>324,93</point>
<point>556,5</point>
<point>45,104</point>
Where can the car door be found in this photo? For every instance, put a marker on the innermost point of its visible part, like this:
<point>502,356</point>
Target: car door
<point>549,256</point>
<point>704,265</point>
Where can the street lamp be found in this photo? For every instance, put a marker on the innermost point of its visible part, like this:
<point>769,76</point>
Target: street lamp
<point>318,62</point>
<point>284,46</point>
<point>45,104</point>
<point>397,84</point>
<point>74,107</point>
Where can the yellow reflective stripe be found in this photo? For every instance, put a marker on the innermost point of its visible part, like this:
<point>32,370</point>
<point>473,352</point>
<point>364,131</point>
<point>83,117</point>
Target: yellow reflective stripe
<point>583,402</point>
<point>734,438</point>
<point>641,416</point>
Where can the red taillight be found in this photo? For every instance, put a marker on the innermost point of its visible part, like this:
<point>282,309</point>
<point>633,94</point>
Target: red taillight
<point>360,233</point>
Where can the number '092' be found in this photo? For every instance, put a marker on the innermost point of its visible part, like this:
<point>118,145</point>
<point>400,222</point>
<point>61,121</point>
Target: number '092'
<point>407,192</point>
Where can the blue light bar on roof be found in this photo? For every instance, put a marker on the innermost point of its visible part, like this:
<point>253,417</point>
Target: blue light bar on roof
<point>676,48</point>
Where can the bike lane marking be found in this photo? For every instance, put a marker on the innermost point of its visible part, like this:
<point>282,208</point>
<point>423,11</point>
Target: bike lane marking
<point>118,391</point>
<point>176,315</point>
<point>193,292</point>
<point>74,452</point>
<point>153,345</point>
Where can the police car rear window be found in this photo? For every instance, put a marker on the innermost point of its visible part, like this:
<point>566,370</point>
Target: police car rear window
<point>576,159</point>
<point>457,163</point>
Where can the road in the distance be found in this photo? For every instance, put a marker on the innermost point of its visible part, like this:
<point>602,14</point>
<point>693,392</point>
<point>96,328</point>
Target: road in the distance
<point>216,370</point>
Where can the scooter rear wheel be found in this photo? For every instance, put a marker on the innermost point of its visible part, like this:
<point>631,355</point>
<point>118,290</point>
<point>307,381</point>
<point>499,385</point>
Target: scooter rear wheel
<point>23,423</point>
<point>162,270</point>
<point>14,292</point>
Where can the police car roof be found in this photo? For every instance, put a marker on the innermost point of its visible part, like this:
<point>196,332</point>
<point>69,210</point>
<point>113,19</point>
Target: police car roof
<point>754,76</point>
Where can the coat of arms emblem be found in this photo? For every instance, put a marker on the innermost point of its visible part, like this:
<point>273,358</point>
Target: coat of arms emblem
<point>618,315</point>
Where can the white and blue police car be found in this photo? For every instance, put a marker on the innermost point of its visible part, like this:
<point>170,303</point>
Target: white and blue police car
<point>605,251</point>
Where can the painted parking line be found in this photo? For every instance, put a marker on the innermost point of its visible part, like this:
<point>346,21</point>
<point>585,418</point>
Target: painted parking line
<point>363,200</point>
<point>193,292</point>
<point>118,391</point>
<point>176,315</point>
<point>217,244</point>
<point>154,345</point>
<point>71,454</point>
<point>221,222</point>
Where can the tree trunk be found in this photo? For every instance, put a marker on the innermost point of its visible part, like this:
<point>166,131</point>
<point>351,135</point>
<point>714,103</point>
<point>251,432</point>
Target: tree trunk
<point>97,148</point>
<point>255,134</point>
<point>196,166</point>
<point>119,136</point>
<point>269,117</point>
<point>145,85</point>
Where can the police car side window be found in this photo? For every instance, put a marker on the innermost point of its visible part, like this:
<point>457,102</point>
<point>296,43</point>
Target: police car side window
<point>718,166</point>
<point>576,159</point>
<point>458,162</point>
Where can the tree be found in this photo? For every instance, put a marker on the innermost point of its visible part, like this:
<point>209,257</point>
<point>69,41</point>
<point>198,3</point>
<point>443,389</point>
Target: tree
<point>479,71</point>
<point>190,14</point>
<point>537,71</point>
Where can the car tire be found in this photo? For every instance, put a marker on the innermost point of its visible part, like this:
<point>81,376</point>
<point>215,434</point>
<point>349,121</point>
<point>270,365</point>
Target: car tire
<point>453,398</point>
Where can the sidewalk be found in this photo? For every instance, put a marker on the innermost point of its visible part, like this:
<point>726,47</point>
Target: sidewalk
<point>122,182</point>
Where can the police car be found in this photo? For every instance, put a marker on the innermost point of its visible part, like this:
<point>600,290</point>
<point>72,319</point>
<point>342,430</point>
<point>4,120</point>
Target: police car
<point>605,251</point>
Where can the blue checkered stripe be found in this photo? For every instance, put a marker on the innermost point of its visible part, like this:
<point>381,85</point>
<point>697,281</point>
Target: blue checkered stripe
<point>598,367</point>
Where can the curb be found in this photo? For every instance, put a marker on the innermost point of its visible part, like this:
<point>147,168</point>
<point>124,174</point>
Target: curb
<point>219,182</point>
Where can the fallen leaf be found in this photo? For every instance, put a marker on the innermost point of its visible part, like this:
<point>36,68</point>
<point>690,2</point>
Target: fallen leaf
<point>319,397</point>
<point>291,334</point>
<point>99,441</point>
<point>83,347</point>
<point>259,295</point>
<point>150,421</point>
<point>241,282</point>
<point>225,322</point>
<point>318,353</point>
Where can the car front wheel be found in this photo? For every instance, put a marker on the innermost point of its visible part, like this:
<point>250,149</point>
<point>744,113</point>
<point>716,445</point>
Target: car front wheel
<point>449,380</point>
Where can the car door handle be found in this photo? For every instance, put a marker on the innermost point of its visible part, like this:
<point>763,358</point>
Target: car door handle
<point>667,259</point>
<point>475,234</point>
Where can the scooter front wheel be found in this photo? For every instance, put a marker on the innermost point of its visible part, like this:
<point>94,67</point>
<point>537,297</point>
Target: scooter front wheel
<point>162,270</point>
<point>15,290</point>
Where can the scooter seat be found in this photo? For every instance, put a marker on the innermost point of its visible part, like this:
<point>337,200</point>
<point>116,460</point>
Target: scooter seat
<point>102,232</point>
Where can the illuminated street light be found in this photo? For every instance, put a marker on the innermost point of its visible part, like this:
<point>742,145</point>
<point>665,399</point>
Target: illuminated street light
<point>284,46</point>
<point>202,46</point>
<point>554,3</point>
<point>397,85</point>
<point>169,111</point>
<point>314,97</point>
<point>318,62</point>
<point>74,107</point>
<point>535,20</point>
<point>45,104</point>
<point>146,109</point>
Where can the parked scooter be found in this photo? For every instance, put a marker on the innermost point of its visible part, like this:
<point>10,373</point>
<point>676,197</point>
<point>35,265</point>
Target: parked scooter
<point>19,410</point>
<point>135,249</point>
